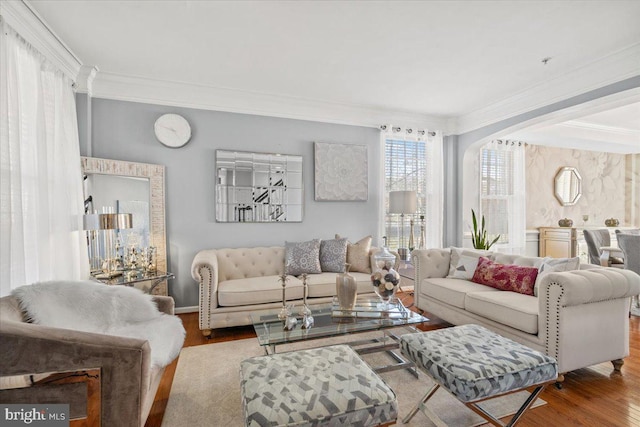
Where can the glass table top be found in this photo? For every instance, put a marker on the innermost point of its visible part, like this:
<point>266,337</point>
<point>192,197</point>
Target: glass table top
<point>330,320</point>
<point>129,277</point>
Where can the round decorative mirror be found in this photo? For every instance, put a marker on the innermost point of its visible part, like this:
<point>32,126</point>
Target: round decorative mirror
<point>568,186</point>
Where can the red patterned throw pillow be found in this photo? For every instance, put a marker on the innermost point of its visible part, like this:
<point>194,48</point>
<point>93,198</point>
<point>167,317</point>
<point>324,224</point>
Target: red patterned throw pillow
<point>515,278</point>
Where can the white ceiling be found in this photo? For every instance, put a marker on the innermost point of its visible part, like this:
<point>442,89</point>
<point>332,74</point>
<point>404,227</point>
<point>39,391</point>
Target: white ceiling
<point>444,59</point>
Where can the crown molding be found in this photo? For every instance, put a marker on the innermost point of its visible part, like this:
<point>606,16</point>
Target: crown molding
<point>84,82</point>
<point>578,124</point>
<point>26,22</point>
<point>617,66</point>
<point>178,94</point>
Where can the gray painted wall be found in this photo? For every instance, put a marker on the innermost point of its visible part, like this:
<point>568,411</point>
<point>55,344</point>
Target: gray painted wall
<point>124,131</point>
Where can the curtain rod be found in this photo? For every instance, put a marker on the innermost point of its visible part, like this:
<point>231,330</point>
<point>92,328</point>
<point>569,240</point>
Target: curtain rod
<point>397,129</point>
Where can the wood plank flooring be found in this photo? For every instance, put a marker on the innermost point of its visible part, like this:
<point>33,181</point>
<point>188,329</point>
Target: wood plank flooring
<point>594,396</point>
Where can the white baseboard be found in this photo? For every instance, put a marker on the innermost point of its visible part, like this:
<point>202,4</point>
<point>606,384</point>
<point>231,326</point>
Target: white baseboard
<point>182,310</point>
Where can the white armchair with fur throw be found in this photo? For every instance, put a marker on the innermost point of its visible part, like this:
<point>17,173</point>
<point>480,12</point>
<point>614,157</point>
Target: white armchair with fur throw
<point>101,349</point>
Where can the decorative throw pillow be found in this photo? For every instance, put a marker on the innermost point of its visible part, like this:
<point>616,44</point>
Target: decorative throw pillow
<point>466,267</point>
<point>456,253</point>
<point>552,265</point>
<point>515,278</point>
<point>302,257</point>
<point>358,255</point>
<point>333,255</point>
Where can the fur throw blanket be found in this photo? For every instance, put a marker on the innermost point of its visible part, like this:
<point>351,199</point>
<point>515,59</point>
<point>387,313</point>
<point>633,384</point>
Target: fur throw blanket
<point>112,310</point>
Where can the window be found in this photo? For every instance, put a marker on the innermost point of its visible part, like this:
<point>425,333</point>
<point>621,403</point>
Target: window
<point>405,169</point>
<point>502,193</point>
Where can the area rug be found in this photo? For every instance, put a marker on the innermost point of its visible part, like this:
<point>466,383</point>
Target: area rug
<point>206,387</point>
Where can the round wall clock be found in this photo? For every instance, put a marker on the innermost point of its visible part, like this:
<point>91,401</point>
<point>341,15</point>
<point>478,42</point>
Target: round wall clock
<point>172,130</point>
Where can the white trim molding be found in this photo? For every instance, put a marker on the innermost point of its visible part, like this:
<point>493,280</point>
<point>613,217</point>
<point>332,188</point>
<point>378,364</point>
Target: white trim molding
<point>617,66</point>
<point>180,94</point>
<point>595,127</point>
<point>26,22</point>
<point>84,82</point>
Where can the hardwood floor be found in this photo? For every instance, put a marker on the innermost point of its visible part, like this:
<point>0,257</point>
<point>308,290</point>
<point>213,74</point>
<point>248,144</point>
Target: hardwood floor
<point>595,396</point>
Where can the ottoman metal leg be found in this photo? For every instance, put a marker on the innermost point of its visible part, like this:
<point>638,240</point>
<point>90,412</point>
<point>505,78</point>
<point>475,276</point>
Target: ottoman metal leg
<point>421,404</point>
<point>516,417</point>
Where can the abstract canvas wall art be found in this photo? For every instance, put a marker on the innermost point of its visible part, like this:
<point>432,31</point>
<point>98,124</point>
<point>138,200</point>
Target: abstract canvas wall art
<point>341,172</point>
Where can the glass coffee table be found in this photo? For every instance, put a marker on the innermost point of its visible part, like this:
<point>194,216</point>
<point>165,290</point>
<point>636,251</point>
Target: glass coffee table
<point>330,321</point>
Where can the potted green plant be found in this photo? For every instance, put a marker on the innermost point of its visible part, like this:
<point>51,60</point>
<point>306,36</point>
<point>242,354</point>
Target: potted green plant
<point>479,237</point>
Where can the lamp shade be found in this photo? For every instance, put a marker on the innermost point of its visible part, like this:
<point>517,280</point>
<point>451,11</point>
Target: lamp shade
<point>401,202</point>
<point>107,221</point>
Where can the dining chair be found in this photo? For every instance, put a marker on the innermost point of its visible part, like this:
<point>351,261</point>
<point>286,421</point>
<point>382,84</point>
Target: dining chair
<point>630,245</point>
<point>600,250</point>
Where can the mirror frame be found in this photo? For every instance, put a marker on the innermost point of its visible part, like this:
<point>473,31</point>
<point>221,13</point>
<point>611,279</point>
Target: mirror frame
<point>155,175</point>
<point>219,196</point>
<point>560,172</point>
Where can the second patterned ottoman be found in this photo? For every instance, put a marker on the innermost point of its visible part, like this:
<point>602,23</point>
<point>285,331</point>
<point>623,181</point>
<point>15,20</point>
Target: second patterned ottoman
<point>328,386</point>
<point>475,364</point>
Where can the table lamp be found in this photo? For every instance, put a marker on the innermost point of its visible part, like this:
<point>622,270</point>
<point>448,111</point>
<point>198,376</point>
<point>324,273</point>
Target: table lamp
<point>403,202</point>
<point>107,223</point>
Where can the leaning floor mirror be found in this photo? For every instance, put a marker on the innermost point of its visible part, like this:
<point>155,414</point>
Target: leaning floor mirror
<point>128,198</point>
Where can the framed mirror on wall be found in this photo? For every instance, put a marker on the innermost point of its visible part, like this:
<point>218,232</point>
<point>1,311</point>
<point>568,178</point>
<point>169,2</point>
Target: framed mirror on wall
<point>568,186</point>
<point>258,187</point>
<point>126,189</point>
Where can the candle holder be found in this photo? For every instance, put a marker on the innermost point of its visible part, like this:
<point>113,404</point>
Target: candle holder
<point>290,321</point>
<point>305,311</point>
<point>284,311</point>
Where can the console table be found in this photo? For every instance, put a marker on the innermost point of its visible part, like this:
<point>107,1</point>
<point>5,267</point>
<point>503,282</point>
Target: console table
<point>149,282</point>
<point>568,242</point>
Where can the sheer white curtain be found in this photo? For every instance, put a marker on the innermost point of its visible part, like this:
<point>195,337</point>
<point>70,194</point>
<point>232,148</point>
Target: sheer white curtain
<point>413,160</point>
<point>502,193</point>
<point>41,183</point>
<point>435,191</point>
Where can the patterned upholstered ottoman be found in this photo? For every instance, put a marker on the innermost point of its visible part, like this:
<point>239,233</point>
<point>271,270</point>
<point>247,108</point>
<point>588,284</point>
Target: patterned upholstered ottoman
<point>475,364</point>
<point>329,386</point>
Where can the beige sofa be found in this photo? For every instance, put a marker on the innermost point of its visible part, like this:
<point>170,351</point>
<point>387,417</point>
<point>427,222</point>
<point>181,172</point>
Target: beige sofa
<point>579,317</point>
<point>236,283</point>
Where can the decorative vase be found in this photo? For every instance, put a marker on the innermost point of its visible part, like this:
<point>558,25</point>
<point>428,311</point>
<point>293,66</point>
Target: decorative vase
<point>565,222</point>
<point>611,222</point>
<point>346,289</point>
<point>385,279</point>
<point>385,284</point>
<point>384,260</point>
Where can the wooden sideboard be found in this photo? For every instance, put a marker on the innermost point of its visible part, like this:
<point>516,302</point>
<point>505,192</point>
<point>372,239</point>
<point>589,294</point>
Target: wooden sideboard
<point>568,242</point>
<point>559,242</point>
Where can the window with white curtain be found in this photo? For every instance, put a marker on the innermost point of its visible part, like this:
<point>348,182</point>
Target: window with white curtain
<point>41,182</point>
<point>502,198</point>
<point>405,169</point>
<point>414,164</point>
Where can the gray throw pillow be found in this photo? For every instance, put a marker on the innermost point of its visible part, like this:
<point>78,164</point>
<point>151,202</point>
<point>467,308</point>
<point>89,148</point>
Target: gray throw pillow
<point>333,255</point>
<point>302,257</point>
